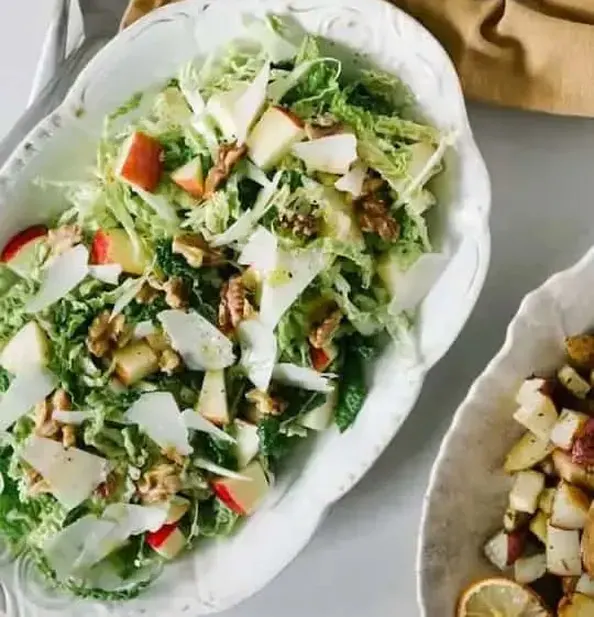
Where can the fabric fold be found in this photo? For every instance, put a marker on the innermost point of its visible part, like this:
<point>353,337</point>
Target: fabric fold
<point>532,54</point>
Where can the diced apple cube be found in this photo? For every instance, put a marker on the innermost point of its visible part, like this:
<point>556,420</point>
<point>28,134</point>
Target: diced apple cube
<point>527,452</point>
<point>140,161</point>
<point>113,246</point>
<point>503,549</point>
<point>563,551</point>
<point>545,501</point>
<point>573,381</point>
<point>570,507</point>
<point>538,526</point>
<point>28,347</point>
<point>212,402</point>
<point>567,427</point>
<point>529,569</point>
<point>526,490</point>
<point>135,361</point>
<point>168,541</point>
<point>530,391</point>
<point>243,495</point>
<point>322,358</point>
<point>572,473</point>
<point>190,177</point>
<point>273,136</point>
<point>247,442</point>
<point>20,251</point>
<point>585,585</point>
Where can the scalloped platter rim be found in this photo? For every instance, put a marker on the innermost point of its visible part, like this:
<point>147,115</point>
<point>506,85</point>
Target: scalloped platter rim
<point>61,146</point>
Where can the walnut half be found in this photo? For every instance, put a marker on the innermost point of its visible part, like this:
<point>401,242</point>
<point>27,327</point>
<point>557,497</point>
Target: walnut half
<point>234,306</point>
<point>160,483</point>
<point>228,155</point>
<point>106,334</point>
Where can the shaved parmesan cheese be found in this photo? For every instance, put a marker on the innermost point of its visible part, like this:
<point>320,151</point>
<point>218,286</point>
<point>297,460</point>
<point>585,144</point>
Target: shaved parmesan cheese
<point>352,181</point>
<point>65,550</point>
<point>197,422</point>
<point>296,270</point>
<point>201,345</point>
<point>203,463</point>
<point>72,474</point>
<point>144,328</point>
<point>256,174</point>
<point>125,293</point>
<point>260,251</point>
<point>60,277</point>
<point>71,417</point>
<point>87,541</point>
<point>302,377</point>
<point>333,154</point>
<point>258,351</point>
<point>159,417</point>
<point>158,203</point>
<point>106,273</point>
<point>235,111</point>
<point>26,390</point>
<point>409,287</point>
<point>245,223</point>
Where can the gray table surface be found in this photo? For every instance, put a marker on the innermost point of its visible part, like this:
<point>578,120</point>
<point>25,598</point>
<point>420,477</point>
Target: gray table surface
<point>361,562</point>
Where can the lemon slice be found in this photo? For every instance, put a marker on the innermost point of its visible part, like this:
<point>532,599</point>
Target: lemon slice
<point>500,597</point>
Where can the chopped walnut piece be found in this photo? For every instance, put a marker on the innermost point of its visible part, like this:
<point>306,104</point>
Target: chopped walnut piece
<point>63,238</point>
<point>324,333</point>
<point>266,404</point>
<point>44,425</point>
<point>146,294</point>
<point>374,217</point>
<point>160,483</point>
<point>158,341</point>
<point>176,293</point>
<point>173,455</point>
<point>196,251</point>
<point>234,306</point>
<point>300,225</point>
<point>107,334</point>
<point>228,155</point>
<point>580,350</point>
<point>169,361</point>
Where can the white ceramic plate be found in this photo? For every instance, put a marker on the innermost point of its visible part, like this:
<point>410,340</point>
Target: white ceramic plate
<point>222,574</point>
<point>468,490</point>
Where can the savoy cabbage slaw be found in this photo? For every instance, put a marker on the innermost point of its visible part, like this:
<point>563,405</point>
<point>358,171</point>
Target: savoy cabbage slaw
<point>250,237</point>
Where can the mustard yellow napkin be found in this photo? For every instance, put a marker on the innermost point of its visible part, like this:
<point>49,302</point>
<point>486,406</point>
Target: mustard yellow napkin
<point>533,54</point>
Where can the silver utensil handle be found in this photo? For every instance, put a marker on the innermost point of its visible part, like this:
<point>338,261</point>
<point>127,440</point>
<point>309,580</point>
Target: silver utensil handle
<point>50,97</point>
<point>53,51</point>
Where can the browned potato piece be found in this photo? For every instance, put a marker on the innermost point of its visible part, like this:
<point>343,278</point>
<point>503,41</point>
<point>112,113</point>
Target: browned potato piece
<point>135,362</point>
<point>576,605</point>
<point>588,543</point>
<point>570,472</point>
<point>580,350</point>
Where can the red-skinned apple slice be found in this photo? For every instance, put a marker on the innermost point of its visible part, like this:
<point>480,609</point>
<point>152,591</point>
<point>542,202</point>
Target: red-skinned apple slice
<point>21,241</point>
<point>140,161</point>
<point>190,177</point>
<point>168,541</point>
<point>322,358</point>
<point>243,495</point>
<point>113,246</point>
